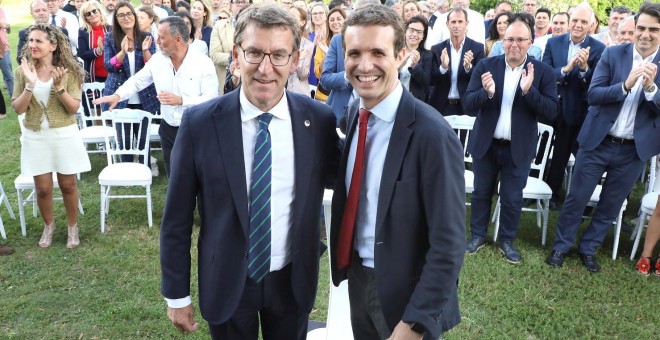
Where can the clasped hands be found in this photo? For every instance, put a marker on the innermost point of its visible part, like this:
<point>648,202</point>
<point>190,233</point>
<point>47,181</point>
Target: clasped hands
<point>580,59</point>
<point>645,70</point>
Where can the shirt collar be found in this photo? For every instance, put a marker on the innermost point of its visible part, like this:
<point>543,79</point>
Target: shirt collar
<point>570,41</point>
<point>509,68</point>
<point>460,46</point>
<point>249,111</point>
<point>386,109</point>
<point>636,55</point>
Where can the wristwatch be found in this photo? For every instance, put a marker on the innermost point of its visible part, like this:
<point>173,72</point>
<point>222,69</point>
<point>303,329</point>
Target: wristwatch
<point>60,91</point>
<point>417,327</point>
<point>650,88</point>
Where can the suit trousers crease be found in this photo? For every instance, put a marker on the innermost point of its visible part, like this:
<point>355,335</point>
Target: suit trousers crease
<point>498,161</point>
<point>367,318</point>
<point>167,135</point>
<point>271,303</point>
<point>623,167</point>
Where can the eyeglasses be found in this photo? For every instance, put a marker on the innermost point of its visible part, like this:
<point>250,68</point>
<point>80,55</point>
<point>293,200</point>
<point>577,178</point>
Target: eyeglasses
<point>239,2</point>
<point>127,15</point>
<point>92,12</point>
<point>414,31</point>
<point>515,40</point>
<point>256,57</point>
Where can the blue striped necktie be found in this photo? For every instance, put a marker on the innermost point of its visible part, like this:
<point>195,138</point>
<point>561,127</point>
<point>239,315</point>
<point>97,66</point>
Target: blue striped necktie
<point>259,252</point>
<point>52,20</point>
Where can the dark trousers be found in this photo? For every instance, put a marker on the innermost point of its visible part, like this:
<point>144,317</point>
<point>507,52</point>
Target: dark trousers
<point>565,144</point>
<point>513,179</point>
<point>91,97</point>
<point>125,131</point>
<point>167,135</point>
<point>452,110</point>
<point>3,107</point>
<point>623,168</point>
<point>270,302</point>
<point>367,319</point>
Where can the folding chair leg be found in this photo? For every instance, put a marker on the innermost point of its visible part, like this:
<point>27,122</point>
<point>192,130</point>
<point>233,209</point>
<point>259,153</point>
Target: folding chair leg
<point>546,211</point>
<point>617,234</point>
<point>2,229</point>
<point>639,228</point>
<point>149,205</point>
<point>21,211</point>
<point>496,217</point>
<point>6,201</point>
<point>103,203</point>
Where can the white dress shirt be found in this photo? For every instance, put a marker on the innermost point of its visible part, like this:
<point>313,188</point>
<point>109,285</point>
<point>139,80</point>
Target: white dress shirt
<point>455,64</point>
<point>282,178</point>
<point>475,29</point>
<point>195,82</point>
<point>624,126</point>
<point>511,80</point>
<point>72,26</point>
<point>379,130</point>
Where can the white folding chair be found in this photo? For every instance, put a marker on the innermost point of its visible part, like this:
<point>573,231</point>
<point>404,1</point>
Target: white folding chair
<point>26,193</point>
<point>5,201</point>
<point>94,128</point>
<point>647,206</point>
<point>463,126</point>
<point>128,174</point>
<point>535,189</point>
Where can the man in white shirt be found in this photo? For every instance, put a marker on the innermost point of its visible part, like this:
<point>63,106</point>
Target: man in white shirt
<point>109,9</point>
<point>60,18</point>
<point>183,77</point>
<point>559,27</point>
<point>609,36</point>
<point>475,31</point>
<point>626,31</point>
<point>257,161</point>
<point>161,13</point>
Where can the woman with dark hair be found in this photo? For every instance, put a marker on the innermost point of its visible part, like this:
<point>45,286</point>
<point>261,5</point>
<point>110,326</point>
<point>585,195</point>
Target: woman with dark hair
<point>415,71</point>
<point>171,4</point>
<point>201,15</point>
<point>496,30</point>
<point>193,42</point>
<point>47,89</point>
<point>147,22</point>
<point>182,6</point>
<point>127,50</point>
<point>334,23</point>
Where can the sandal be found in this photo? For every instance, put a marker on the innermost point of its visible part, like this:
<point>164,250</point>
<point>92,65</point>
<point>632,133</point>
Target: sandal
<point>72,240</point>
<point>47,235</point>
<point>644,266</point>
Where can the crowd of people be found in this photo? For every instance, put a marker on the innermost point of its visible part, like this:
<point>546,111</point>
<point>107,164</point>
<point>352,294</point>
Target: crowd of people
<point>385,75</point>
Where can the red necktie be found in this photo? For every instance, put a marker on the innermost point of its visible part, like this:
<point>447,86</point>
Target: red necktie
<point>350,213</point>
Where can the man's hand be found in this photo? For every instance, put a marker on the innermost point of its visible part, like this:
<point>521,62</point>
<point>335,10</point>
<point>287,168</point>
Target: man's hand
<point>183,318</point>
<point>571,63</point>
<point>402,331</point>
<point>488,83</point>
<point>444,59</point>
<point>63,22</point>
<point>467,61</point>
<point>583,58</point>
<point>633,76</point>
<point>649,71</point>
<point>527,78</point>
<point>112,99</point>
<point>169,98</point>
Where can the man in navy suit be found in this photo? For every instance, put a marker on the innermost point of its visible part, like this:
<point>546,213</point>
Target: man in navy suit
<point>258,263</point>
<point>510,92</point>
<point>453,60</point>
<point>398,231</point>
<point>573,57</point>
<point>621,132</point>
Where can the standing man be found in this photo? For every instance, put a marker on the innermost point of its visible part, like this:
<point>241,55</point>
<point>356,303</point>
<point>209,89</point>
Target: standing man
<point>626,31</point>
<point>109,9</point>
<point>610,36</point>
<point>183,77</point>
<point>510,92</point>
<point>542,22</point>
<point>400,252</point>
<point>66,20</point>
<point>531,6</point>
<point>216,6</point>
<point>559,27</point>
<point>258,159</point>
<point>39,12</point>
<point>475,30</point>
<point>453,60</point>
<point>619,135</point>
<point>573,57</point>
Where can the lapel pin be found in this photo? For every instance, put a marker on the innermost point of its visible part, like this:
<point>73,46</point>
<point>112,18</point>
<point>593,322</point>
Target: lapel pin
<point>307,123</point>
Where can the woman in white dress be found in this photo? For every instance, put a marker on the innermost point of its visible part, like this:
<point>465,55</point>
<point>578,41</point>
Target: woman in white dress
<point>47,90</point>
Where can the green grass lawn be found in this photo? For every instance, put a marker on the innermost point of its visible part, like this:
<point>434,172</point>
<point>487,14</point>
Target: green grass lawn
<point>108,288</point>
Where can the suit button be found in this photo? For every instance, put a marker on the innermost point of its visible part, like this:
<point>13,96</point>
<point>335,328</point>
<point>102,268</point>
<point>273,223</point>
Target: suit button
<point>245,256</point>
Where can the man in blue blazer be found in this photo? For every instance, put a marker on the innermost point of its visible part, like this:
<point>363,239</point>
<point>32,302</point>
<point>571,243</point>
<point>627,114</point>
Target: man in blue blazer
<point>398,223</point>
<point>333,78</point>
<point>573,57</point>
<point>621,132</point>
<point>510,92</point>
<point>453,60</point>
<point>258,262</point>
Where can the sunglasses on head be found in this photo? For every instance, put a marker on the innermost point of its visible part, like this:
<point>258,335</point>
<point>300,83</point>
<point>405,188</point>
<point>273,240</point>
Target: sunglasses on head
<point>92,12</point>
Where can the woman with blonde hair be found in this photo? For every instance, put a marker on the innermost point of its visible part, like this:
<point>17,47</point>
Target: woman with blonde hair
<point>318,35</point>
<point>47,90</point>
<point>409,9</point>
<point>147,21</point>
<point>90,40</point>
<point>202,22</point>
<point>336,18</point>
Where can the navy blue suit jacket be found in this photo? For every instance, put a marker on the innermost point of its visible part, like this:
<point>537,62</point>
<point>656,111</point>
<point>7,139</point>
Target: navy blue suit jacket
<point>541,100</point>
<point>86,52</point>
<point>116,77</point>
<point>419,248</point>
<point>208,167</point>
<point>442,82</point>
<point>606,98</point>
<point>333,79</point>
<point>572,88</point>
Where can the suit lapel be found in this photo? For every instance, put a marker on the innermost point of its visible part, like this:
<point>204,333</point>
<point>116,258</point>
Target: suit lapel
<point>498,76</point>
<point>396,151</point>
<point>563,49</point>
<point>303,126</point>
<point>229,135</point>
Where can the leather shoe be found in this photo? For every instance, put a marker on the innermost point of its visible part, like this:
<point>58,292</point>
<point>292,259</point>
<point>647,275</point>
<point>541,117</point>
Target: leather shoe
<point>589,261</point>
<point>555,259</point>
<point>511,254</point>
<point>4,250</point>
<point>474,244</point>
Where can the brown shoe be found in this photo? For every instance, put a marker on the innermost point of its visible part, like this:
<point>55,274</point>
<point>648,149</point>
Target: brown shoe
<point>4,250</point>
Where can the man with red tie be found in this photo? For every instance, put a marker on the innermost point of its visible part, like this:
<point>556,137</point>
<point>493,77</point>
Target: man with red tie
<point>398,227</point>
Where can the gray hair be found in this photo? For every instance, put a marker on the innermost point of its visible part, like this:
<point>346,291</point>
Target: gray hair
<point>625,21</point>
<point>177,27</point>
<point>266,17</point>
<point>362,3</point>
